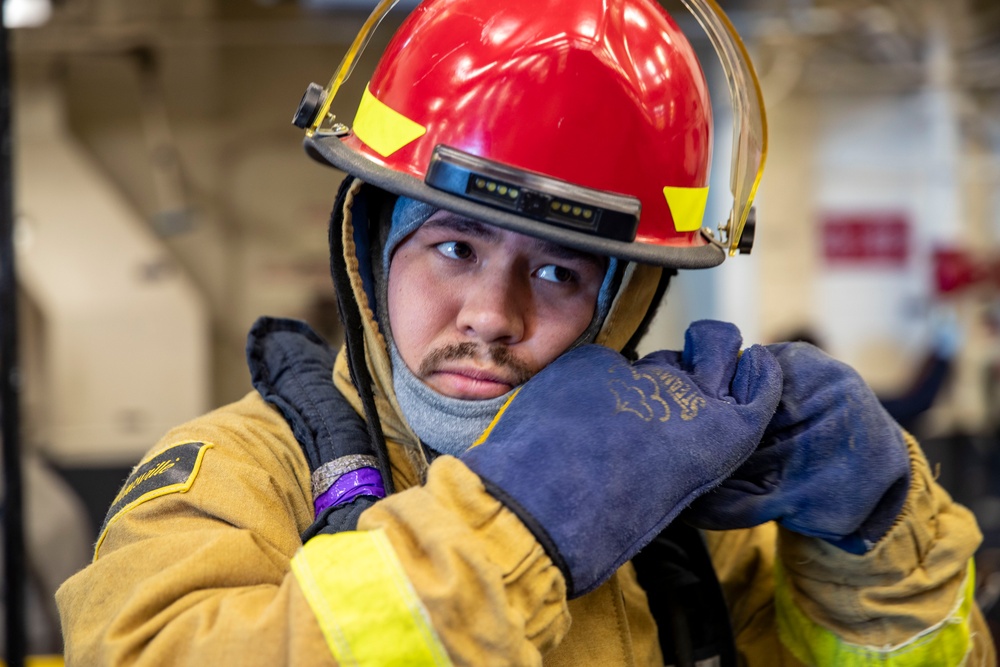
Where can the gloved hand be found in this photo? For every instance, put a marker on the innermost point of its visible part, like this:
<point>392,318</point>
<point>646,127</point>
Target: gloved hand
<point>596,455</point>
<point>832,464</point>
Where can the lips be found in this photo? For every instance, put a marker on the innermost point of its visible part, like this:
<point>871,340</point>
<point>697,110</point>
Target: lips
<point>474,373</point>
<point>458,381</point>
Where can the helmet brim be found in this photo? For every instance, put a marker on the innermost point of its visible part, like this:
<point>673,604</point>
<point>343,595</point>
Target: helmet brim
<point>328,149</point>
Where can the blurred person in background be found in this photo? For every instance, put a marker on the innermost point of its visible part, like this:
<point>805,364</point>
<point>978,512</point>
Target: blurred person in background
<point>485,473</point>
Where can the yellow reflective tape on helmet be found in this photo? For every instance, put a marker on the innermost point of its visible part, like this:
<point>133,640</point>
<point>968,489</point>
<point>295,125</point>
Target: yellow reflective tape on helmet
<point>946,643</point>
<point>687,207</point>
<point>385,130</point>
<point>365,605</point>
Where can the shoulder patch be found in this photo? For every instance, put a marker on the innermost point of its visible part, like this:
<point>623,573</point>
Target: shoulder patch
<point>171,471</point>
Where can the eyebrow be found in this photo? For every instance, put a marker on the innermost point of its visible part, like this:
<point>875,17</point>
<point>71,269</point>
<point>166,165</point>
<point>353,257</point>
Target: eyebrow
<point>468,226</point>
<point>487,232</point>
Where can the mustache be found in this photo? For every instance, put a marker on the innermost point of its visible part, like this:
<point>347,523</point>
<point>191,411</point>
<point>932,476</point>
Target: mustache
<point>501,356</point>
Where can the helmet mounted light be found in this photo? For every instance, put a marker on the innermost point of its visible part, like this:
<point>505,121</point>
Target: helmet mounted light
<point>416,133</point>
<point>536,196</point>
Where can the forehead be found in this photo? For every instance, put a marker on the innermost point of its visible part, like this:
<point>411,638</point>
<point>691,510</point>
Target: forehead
<point>446,220</point>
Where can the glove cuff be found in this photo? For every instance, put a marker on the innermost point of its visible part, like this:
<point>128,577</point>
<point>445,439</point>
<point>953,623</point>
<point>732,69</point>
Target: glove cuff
<point>878,523</point>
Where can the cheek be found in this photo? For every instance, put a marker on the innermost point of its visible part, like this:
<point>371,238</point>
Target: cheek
<point>563,325</point>
<point>402,313</point>
<point>415,311</point>
<point>397,298</point>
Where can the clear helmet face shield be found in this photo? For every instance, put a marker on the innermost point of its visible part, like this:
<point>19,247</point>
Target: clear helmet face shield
<point>749,118</point>
<point>631,183</point>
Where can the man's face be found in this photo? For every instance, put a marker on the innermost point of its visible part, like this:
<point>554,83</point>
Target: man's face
<point>476,310</point>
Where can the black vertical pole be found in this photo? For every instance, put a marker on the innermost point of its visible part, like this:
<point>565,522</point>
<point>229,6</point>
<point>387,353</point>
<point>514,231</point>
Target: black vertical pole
<point>13,521</point>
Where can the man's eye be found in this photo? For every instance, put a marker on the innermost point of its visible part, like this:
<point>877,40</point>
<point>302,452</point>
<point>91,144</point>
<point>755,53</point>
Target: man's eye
<point>455,249</point>
<point>555,273</point>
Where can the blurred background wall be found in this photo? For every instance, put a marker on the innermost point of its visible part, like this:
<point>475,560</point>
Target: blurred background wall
<point>164,202</point>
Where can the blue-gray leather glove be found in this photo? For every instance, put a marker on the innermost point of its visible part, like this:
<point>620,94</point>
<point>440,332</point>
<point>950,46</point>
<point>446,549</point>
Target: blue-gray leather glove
<point>596,455</point>
<point>832,464</point>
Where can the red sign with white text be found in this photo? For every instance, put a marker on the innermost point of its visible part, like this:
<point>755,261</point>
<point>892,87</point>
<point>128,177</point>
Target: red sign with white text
<point>866,238</point>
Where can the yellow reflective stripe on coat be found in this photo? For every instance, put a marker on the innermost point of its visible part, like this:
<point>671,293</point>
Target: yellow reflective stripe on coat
<point>365,605</point>
<point>944,644</point>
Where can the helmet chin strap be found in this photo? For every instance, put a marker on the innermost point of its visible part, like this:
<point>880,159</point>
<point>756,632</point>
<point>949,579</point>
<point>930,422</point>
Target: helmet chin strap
<point>350,315</point>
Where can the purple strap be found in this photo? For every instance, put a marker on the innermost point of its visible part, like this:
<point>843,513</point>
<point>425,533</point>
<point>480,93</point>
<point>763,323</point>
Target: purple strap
<point>350,485</point>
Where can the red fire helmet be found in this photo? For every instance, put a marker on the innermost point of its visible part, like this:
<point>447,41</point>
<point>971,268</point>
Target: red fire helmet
<point>584,122</point>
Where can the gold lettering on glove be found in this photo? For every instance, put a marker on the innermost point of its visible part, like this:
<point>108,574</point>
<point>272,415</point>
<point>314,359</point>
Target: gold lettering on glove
<point>644,395</point>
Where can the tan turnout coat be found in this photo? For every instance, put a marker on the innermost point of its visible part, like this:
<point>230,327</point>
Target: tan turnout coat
<point>214,573</point>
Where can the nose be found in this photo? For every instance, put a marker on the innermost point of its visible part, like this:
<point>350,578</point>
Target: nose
<point>495,309</point>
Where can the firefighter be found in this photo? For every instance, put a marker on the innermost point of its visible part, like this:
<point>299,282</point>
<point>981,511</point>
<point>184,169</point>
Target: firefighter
<point>485,473</point>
